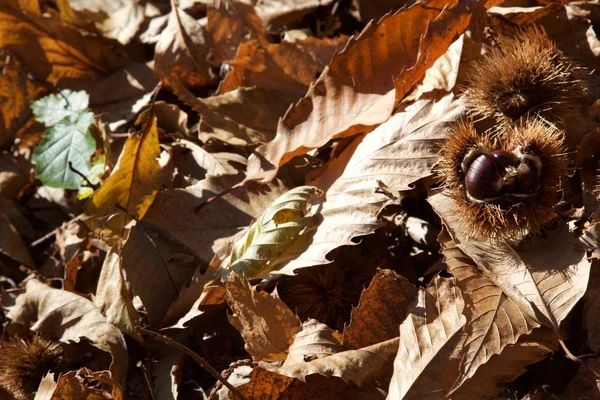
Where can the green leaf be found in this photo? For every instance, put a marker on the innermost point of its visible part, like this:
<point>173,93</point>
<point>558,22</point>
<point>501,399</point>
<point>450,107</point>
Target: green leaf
<point>51,109</point>
<point>68,141</point>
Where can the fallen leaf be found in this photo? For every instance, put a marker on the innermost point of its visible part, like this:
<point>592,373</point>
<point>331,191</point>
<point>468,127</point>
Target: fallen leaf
<point>11,244</point>
<point>15,175</point>
<point>278,235</point>
<point>130,189</point>
<point>314,340</point>
<point>80,384</point>
<point>267,325</point>
<point>422,365</point>
<point>113,298</point>
<point>209,230</point>
<point>362,83</point>
<point>114,19</point>
<point>494,321</point>
<point>183,50</point>
<point>382,308</point>
<point>545,279</point>
<point>397,153</point>
<point>70,317</point>
<point>278,14</point>
<point>153,265</point>
<point>282,67</point>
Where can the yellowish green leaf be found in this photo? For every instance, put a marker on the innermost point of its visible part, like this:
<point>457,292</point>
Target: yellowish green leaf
<point>130,189</point>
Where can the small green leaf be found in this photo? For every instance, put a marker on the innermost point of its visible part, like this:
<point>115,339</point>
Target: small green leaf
<point>51,109</point>
<point>68,141</point>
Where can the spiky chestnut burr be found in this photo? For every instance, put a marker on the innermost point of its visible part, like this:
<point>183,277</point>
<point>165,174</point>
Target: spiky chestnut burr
<point>508,186</point>
<point>24,362</point>
<point>526,76</point>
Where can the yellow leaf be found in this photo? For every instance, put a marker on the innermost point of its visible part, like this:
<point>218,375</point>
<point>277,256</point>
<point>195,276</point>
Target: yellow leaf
<point>130,189</point>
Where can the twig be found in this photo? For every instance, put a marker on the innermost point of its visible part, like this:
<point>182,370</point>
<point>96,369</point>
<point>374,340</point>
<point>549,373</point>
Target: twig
<point>90,184</point>
<point>195,356</point>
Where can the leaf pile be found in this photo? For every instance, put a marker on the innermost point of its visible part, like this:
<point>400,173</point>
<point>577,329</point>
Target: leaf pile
<point>237,199</point>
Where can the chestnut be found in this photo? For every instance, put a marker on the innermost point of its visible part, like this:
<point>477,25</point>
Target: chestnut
<point>528,173</point>
<point>515,105</point>
<point>483,180</point>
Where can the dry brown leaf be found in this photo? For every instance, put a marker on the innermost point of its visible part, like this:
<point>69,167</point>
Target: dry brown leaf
<point>50,49</point>
<point>506,367</point>
<point>267,325</point>
<point>231,23</point>
<point>382,308</point>
<point>314,340</point>
<point>396,154</point>
<point>183,50</point>
<point>196,304</point>
<point>18,92</point>
<point>545,279</point>
<point>278,14</point>
<point>194,162</point>
<point>81,384</point>
<point>210,229</point>
<point>281,67</point>
<point>11,244</point>
<point>156,264</point>
<point>494,321</point>
<point>586,384</point>
<point>361,366</point>
<point>113,297</point>
<point>14,175</point>
<point>70,317</point>
<point>46,388</point>
<point>423,368</point>
<point>256,110</point>
<point>130,189</point>
<point>113,19</point>
<point>363,82</point>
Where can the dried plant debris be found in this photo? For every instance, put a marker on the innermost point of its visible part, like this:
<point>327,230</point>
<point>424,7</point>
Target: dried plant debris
<point>339,199</point>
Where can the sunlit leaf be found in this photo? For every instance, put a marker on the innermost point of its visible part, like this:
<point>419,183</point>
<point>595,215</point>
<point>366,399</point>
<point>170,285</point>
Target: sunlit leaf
<point>49,110</point>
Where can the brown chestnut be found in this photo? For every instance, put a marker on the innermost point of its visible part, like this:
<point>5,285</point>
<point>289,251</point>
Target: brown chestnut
<point>483,180</point>
<point>516,104</point>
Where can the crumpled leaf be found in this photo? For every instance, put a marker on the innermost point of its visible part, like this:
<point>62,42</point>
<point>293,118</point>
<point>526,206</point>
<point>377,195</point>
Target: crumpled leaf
<point>66,147</point>
<point>70,317</point>
<point>80,384</point>
<point>545,279</point>
<point>370,75</point>
<point>382,308</point>
<point>49,110</point>
<point>423,361</point>
<point>130,189</point>
<point>314,340</point>
<point>267,325</point>
<point>276,237</point>
<point>277,14</point>
<point>393,156</point>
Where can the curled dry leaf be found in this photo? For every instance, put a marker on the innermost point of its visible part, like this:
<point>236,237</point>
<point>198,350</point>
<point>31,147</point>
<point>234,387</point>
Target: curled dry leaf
<point>267,325</point>
<point>397,154</point>
<point>370,74</point>
<point>81,384</point>
<point>382,308</point>
<point>130,189</point>
<point>11,243</point>
<point>70,317</point>
<point>314,340</point>
<point>278,235</point>
<point>423,368</point>
<point>545,279</point>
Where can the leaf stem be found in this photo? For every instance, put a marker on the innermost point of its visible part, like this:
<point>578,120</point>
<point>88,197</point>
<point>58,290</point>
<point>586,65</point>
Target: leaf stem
<point>195,356</point>
<point>90,184</point>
